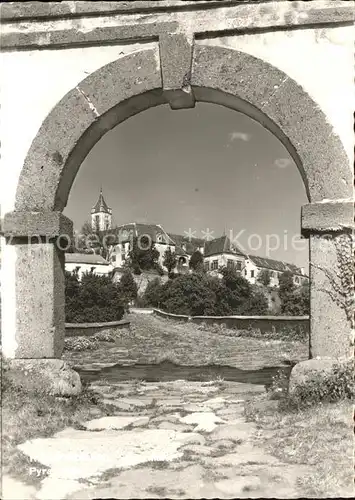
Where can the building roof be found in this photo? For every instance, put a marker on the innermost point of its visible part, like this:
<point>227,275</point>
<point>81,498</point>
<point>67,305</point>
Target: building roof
<point>275,265</point>
<point>221,245</point>
<point>136,229</point>
<point>185,245</point>
<point>101,205</point>
<point>85,258</point>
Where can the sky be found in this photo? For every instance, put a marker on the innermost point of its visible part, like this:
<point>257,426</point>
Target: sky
<point>204,170</point>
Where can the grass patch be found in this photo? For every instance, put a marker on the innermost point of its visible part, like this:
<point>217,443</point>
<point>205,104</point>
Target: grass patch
<point>155,464</point>
<point>320,437</point>
<point>27,416</point>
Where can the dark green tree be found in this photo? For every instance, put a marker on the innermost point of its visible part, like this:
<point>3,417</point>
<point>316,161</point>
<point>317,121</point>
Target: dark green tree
<point>92,299</point>
<point>128,287</point>
<point>196,261</point>
<point>170,261</point>
<point>153,293</point>
<point>143,256</point>
<point>294,300</point>
<point>264,277</point>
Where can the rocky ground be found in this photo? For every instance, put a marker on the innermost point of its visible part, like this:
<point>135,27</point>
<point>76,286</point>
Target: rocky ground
<point>170,440</point>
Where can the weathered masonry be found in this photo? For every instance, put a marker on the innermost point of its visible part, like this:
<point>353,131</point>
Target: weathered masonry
<point>73,70</point>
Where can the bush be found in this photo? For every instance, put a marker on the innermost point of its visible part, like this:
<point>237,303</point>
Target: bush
<point>198,294</point>
<point>93,299</point>
<point>127,286</point>
<point>80,344</point>
<point>337,385</point>
<point>294,300</point>
<point>153,294</point>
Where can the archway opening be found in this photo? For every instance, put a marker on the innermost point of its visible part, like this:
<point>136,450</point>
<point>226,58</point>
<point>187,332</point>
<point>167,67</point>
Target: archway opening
<point>209,180</point>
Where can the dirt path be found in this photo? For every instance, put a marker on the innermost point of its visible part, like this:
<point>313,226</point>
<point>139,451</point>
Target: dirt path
<point>152,339</point>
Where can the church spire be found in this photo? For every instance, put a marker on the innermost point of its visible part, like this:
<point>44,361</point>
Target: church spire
<point>101,214</point>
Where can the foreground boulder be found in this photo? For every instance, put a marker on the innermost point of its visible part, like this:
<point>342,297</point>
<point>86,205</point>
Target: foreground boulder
<point>48,376</point>
<point>311,369</point>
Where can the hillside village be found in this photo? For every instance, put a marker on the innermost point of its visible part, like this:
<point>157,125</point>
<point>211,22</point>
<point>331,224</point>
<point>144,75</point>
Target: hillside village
<point>217,253</point>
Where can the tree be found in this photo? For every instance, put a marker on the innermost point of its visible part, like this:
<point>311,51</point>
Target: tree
<point>264,277</point>
<point>143,256</point>
<point>188,294</point>
<point>153,293</point>
<point>294,301</point>
<point>128,287</point>
<point>196,261</point>
<point>98,242</point>
<point>170,260</point>
<point>93,299</point>
<point>256,304</point>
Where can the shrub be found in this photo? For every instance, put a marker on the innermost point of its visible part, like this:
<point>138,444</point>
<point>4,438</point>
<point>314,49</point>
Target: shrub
<point>127,286</point>
<point>80,344</point>
<point>294,300</point>
<point>93,299</point>
<point>337,385</point>
<point>279,385</point>
<point>198,294</point>
<point>153,293</point>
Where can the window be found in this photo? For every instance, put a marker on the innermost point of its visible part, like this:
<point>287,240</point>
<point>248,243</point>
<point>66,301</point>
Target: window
<point>97,222</point>
<point>214,265</point>
<point>252,273</point>
<point>297,279</point>
<point>207,266</point>
<point>113,258</point>
<point>230,264</point>
<point>239,265</point>
<point>92,269</point>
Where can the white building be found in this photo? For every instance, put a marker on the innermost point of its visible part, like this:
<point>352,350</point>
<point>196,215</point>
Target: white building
<point>220,253</point>
<point>254,265</point>
<point>217,253</point>
<point>82,263</point>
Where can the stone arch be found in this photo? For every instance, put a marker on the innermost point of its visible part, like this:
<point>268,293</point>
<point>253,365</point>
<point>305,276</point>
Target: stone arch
<point>128,86</point>
<point>219,75</point>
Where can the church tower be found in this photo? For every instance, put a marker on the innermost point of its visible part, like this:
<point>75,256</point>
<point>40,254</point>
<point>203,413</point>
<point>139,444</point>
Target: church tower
<point>101,215</point>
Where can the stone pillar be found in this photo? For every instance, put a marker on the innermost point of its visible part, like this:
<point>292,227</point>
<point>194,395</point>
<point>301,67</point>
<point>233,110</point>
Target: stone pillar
<point>33,313</point>
<point>329,226</point>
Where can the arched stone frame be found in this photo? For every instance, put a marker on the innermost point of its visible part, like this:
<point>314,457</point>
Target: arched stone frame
<point>132,84</point>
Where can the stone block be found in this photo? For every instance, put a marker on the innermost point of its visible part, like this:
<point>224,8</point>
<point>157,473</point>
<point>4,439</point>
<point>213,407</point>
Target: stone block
<point>49,376</point>
<point>48,155</point>
<point>39,301</point>
<point>331,295</point>
<point>331,216</point>
<point>176,52</point>
<point>37,224</point>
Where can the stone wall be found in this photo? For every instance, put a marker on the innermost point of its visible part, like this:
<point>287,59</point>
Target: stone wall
<point>263,323</point>
<point>88,329</point>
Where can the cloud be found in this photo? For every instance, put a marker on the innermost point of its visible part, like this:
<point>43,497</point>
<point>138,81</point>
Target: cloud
<point>283,162</point>
<point>239,136</point>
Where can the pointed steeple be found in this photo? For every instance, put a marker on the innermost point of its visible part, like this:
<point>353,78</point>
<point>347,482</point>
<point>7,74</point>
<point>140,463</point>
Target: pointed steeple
<point>101,205</point>
<point>101,214</point>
